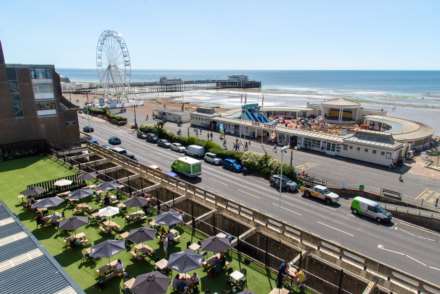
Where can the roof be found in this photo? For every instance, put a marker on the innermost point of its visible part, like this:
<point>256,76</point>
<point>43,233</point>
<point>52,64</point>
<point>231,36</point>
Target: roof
<point>189,160</point>
<point>365,200</point>
<point>26,267</point>
<point>340,102</point>
<point>403,129</point>
<point>286,108</point>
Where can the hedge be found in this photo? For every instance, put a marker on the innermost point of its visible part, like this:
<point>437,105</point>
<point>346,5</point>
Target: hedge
<point>258,164</point>
<point>113,118</point>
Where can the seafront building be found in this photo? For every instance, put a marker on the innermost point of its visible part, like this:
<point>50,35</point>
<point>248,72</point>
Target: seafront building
<point>336,127</point>
<point>33,109</point>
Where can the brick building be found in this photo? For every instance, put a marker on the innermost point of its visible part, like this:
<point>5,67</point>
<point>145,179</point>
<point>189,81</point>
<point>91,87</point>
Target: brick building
<point>32,108</point>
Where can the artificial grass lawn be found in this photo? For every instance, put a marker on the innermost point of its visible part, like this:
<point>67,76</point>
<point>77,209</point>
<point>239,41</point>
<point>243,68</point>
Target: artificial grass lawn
<point>15,175</point>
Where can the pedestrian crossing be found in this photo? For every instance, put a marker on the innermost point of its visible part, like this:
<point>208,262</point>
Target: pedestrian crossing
<point>429,196</point>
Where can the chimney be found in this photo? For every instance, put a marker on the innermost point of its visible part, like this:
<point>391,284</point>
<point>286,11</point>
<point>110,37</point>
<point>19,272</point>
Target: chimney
<point>2,58</point>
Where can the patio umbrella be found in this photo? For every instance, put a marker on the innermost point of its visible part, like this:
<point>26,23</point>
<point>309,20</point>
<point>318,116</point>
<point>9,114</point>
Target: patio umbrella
<point>48,202</point>
<point>107,248</point>
<point>136,202</point>
<point>169,218</point>
<point>216,244</point>
<point>33,191</point>
<point>185,261</point>
<point>151,283</point>
<point>108,211</point>
<point>63,183</point>
<point>73,223</point>
<point>107,186</point>
<point>80,194</point>
<point>87,176</point>
<point>141,234</point>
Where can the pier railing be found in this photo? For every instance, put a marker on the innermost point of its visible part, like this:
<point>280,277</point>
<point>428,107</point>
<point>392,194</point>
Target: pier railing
<point>389,277</point>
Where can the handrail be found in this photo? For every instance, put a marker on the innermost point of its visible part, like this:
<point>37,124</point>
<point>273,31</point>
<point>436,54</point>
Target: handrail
<point>386,275</point>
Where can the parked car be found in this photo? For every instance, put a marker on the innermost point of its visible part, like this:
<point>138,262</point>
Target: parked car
<point>141,135</point>
<point>195,151</point>
<point>123,152</point>
<point>88,129</point>
<point>320,192</point>
<point>164,143</point>
<point>371,209</point>
<point>106,146</point>
<point>152,138</point>
<point>286,183</point>
<point>212,158</point>
<point>232,165</point>
<point>114,141</point>
<point>177,147</point>
<point>93,140</point>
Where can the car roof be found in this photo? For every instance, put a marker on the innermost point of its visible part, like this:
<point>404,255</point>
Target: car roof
<point>210,154</point>
<point>321,187</point>
<point>176,143</point>
<point>118,149</point>
<point>231,159</point>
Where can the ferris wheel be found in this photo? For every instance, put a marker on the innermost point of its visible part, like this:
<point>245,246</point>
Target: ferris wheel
<point>113,65</point>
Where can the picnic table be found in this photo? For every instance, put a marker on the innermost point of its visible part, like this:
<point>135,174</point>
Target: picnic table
<point>135,216</point>
<point>124,235</point>
<point>81,238</point>
<point>279,291</point>
<point>140,251</point>
<point>82,207</point>
<point>161,265</point>
<point>194,247</point>
<point>109,226</point>
<point>128,285</point>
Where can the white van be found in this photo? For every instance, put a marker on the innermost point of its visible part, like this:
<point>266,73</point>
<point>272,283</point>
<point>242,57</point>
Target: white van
<point>371,209</point>
<point>119,150</point>
<point>195,151</point>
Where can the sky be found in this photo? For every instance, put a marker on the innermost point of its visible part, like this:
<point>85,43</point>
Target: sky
<point>227,34</point>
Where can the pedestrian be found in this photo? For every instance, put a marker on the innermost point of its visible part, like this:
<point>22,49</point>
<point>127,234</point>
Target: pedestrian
<point>275,148</point>
<point>246,146</point>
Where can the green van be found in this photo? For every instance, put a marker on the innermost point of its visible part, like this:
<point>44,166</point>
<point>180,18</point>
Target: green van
<point>187,166</point>
<point>371,209</point>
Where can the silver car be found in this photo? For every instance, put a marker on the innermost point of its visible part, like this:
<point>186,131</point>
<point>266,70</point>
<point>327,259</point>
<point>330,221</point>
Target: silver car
<point>212,158</point>
<point>178,147</point>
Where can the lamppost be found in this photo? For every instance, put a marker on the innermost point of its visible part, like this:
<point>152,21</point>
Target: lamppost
<point>282,151</point>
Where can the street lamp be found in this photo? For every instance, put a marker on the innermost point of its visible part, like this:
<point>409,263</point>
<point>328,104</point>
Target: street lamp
<point>282,151</point>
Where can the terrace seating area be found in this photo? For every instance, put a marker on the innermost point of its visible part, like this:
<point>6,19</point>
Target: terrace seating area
<point>107,244</point>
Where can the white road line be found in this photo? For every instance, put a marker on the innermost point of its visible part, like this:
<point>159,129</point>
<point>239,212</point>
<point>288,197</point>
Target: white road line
<point>434,268</point>
<point>415,260</point>
<point>414,235</point>
<point>249,194</point>
<point>336,229</point>
<point>380,246</point>
<point>286,209</point>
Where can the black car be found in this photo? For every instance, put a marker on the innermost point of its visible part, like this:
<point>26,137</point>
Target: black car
<point>141,135</point>
<point>88,129</point>
<point>114,141</point>
<point>131,156</point>
<point>152,138</point>
<point>164,143</point>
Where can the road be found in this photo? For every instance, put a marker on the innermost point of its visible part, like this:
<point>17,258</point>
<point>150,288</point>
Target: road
<point>336,171</point>
<point>401,245</point>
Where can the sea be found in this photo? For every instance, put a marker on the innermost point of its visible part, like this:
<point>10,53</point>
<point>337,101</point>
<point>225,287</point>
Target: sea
<point>413,95</point>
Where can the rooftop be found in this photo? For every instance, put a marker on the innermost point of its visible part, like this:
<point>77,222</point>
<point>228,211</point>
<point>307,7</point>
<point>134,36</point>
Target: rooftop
<point>25,267</point>
<point>340,102</point>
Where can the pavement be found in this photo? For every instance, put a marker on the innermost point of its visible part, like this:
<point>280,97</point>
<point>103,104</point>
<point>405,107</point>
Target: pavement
<point>404,246</point>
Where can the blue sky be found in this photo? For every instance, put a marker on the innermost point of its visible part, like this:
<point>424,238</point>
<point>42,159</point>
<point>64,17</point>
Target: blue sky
<point>227,34</point>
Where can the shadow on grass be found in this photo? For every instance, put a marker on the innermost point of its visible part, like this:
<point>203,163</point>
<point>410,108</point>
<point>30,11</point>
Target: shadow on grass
<point>139,267</point>
<point>215,284</point>
<point>44,232</point>
<point>112,286</point>
<point>19,163</point>
<point>69,256</point>
<point>25,215</point>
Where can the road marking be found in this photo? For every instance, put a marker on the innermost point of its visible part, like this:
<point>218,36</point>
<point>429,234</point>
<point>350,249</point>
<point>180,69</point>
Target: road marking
<point>336,229</point>
<point>421,193</point>
<point>380,246</point>
<point>249,194</point>
<point>414,235</point>
<point>286,209</point>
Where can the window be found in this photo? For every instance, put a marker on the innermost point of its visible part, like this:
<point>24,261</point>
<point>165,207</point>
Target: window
<point>14,91</point>
<point>382,153</point>
<point>41,73</point>
<point>374,151</point>
<point>366,149</point>
<point>372,208</point>
<point>351,147</point>
<point>358,149</point>
<point>46,107</point>
<point>345,147</point>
